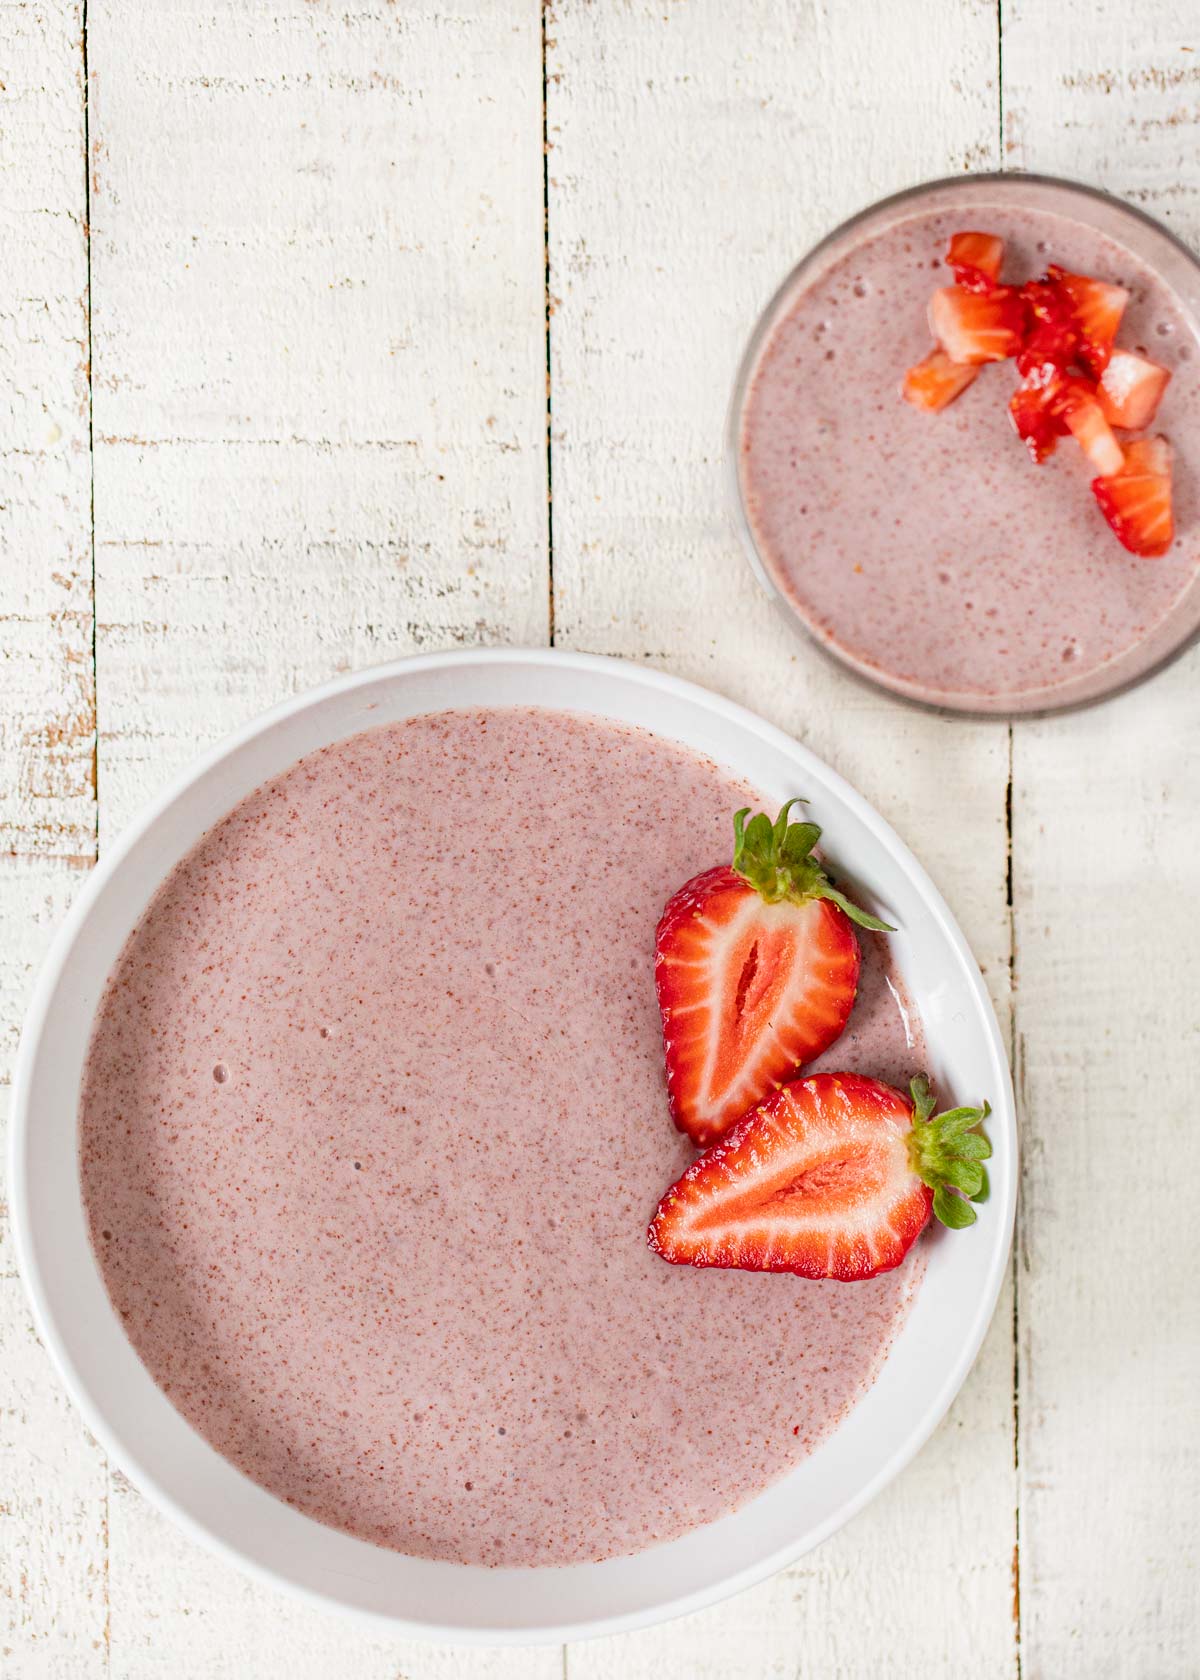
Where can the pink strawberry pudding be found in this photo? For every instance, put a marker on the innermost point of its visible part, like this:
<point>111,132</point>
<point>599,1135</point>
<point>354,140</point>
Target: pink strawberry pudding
<point>925,549</point>
<point>373,1122</point>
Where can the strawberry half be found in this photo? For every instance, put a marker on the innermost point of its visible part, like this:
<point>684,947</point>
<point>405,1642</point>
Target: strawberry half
<point>975,259</point>
<point>834,1176</point>
<point>976,327</point>
<point>1098,307</point>
<point>932,384</point>
<point>1137,500</point>
<point>1130,390</point>
<point>756,967</point>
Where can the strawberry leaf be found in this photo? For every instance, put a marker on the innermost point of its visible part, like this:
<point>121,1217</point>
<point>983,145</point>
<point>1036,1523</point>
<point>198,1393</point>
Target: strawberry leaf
<point>952,1210</point>
<point>776,859</point>
<point>947,1153</point>
<point>973,1147</point>
<point>966,1176</point>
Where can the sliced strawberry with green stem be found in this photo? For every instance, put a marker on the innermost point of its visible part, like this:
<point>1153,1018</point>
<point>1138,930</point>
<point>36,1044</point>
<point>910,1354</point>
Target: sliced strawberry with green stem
<point>833,1176</point>
<point>756,967</point>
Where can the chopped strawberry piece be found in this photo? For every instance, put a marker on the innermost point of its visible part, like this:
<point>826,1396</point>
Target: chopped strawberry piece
<point>1131,389</point>
<point>756,967</point>
<point>834,1176</point>
<point>976,259</point>
<point>1098,308</point>
<point>1036,408</point>
<point>1137,500</point>
<point>974,327</point>
<point>935,382</point>
<point>1085,418</point>
<point>1053,334</point>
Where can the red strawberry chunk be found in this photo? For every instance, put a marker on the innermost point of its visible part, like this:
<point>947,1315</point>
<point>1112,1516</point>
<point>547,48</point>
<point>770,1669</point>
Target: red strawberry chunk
<point>1137,500</point>
<point>1036,408</point>
<point>934,382</point>
<point>1130,390</point>
<point>1052,334</point>
<point>975,327</point>
<point>834,1176</point>
<point>1085,418</point>
<point>976,259</point>
<point>1098,307</point>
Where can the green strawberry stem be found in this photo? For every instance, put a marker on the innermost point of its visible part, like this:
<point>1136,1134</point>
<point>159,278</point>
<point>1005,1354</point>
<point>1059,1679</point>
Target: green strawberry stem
<point>776,859</point>
<point>947,1154</point>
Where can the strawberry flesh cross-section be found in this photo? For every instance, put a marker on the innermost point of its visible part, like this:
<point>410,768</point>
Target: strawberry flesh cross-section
<point>832,1176</point>
<point>756,968</point>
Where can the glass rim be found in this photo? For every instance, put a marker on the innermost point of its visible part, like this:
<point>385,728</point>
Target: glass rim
<point>1007,180</point>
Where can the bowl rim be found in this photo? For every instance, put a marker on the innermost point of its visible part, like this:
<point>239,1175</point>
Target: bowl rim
<point>1002,1124</point>
<point>1006,180</point>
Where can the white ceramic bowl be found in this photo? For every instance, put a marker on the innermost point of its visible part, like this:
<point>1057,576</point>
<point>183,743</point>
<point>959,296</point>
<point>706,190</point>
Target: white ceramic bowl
<point>176,1469</point>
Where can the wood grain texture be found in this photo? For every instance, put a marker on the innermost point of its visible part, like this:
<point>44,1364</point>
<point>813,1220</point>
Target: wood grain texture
<point>47,720</point>
<point>52,1481</point>
<point>691,162</point>
<point>1106,807</point>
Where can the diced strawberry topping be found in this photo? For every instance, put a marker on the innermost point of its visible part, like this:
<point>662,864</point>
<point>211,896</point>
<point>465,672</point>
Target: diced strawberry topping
<point>1085,419</point>
<point>1052,335</point>
<point>833,1176</point>
<point>935,382</point>
<point>1131,389</point>
<point>1098,308</point>
<point>1137,500</point>
<point>1061,329</point>
<point>1036,408</point>
<point>975,327</point>
<point>976,259</point>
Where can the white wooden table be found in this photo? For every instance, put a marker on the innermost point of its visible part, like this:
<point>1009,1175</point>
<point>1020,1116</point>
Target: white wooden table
<point>276,309</point>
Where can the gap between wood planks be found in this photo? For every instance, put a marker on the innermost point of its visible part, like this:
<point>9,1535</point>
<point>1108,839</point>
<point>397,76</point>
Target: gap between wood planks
<point>1012,1058</point>
<point>1012,1022</point>
<point>91,438</point>
<point>549,311</point>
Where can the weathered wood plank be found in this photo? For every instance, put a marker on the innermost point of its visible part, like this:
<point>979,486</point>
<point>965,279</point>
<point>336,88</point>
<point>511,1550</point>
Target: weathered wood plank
<point>1106,811</point>
<point>52,1478</point>
<point>320,443</point>
<point>694,157</point>
<point>320,360</point>
<point>181,1614</point>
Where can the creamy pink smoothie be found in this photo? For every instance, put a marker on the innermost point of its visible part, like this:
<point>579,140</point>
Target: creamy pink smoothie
<point>372,1125</point>
<point>928,550</point>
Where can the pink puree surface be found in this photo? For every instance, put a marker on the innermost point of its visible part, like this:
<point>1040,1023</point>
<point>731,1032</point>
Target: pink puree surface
<point>372,1126</point>
<point>929,548</point>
